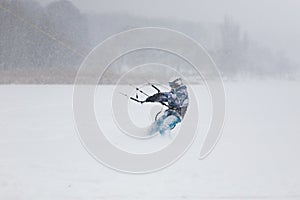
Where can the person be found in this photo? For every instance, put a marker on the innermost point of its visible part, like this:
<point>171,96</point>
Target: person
<point>177,102</point>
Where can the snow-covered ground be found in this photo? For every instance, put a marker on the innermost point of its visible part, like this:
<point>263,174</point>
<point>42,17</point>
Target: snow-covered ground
<point>257,157</point>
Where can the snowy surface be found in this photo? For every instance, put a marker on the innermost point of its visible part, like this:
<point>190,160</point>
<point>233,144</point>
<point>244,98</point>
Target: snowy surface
<point>257,157</point>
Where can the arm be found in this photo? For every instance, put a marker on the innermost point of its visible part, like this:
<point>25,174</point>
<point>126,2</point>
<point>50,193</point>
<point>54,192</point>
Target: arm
<point>158,97</point>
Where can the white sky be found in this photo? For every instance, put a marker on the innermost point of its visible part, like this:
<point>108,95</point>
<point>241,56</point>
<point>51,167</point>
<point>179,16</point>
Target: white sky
<point>273,23</point>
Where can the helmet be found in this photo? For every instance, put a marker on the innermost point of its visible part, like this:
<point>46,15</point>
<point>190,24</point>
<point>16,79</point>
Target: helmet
<point>176,83</point>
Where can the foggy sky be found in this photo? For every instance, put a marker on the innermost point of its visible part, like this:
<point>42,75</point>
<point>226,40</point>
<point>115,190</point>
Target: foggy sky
<point>273,23</point>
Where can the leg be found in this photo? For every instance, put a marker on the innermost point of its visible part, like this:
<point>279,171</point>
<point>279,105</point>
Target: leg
<point>168,124</point>
<point>155,127</point>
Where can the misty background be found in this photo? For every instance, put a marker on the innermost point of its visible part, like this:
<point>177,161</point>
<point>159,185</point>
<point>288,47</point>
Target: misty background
<point>46,41</point>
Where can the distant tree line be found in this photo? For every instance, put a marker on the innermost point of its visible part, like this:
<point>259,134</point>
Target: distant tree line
<point>41,42</point>
<point>36,36</point>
